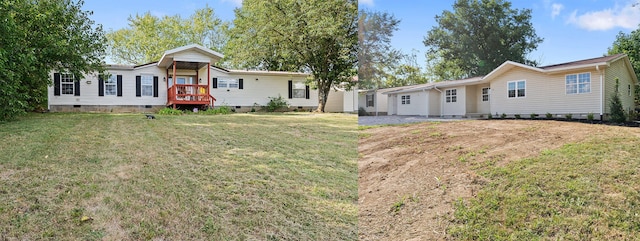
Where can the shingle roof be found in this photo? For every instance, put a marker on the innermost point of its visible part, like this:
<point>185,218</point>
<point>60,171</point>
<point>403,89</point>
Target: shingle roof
<point>582,62</point>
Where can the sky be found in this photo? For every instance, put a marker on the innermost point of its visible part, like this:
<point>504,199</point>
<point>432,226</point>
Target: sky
<point>572,30</point>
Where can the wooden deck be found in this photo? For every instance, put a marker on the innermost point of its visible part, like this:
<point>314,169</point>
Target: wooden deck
<point>188,94</point>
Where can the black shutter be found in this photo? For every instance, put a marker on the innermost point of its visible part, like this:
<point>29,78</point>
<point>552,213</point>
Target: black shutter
<point>155,86</point>
<point>100,85</point>
<point>119,83</point>
<point>290,89</point>
<point>76,84</point>
<point>56,83</point>
<point>240,84</point>
<point>306,92</point>
<point>138,86</point>
<point>214,83</point>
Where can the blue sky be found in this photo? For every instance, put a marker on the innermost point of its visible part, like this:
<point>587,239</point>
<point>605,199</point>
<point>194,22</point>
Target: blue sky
<point>572,30</point>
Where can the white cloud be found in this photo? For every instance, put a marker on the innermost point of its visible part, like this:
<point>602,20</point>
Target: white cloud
<point>555,9</point>
<point>627,17</point>
<point>238,3</point>
<point>366,2</point>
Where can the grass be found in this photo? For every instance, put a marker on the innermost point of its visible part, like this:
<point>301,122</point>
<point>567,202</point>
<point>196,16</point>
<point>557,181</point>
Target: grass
<point>231,177</point>
<point>584,191</point>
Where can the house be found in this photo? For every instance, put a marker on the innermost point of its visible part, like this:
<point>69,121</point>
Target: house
<point>342,98</point>
<point>578,88</point>
<point>373,102</point>
<point>182,77</point>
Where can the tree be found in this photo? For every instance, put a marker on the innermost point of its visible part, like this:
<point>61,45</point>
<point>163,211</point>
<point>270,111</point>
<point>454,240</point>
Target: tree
<point>629,44</point>
<point>408,72</point>
<point>39,37</point>
<point>149,36</point>
<point>316,35</point>
<point>376,56</point>
<point>479,35</point>
<point>617,111</point>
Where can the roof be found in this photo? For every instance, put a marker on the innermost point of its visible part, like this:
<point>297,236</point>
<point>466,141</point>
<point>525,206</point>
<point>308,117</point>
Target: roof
<point>168,56</point>
<point>583,62</point>
<point>428,86</point>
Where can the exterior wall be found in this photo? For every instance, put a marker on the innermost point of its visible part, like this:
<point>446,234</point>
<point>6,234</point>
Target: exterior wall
<point>471,98</point>
<point>379,100</point>
<point>106,108</point>
<point>482,107</point>
<point>392,104</point>
<point>434,102</point>
<point>417,106</point>
<point>619,70</point>
<point>457,108</point>
<point>257,90</point>
<point>335,101</point>
<point>543,94</point>
<point>89,91</point>
<point>350,102</point>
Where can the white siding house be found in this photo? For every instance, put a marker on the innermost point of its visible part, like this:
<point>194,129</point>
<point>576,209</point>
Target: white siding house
<point>578,88</point>
<point>183,76</point>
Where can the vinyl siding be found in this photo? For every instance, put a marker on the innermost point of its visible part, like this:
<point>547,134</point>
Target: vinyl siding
<point>434,103</point>
<point>457,108</point>
<point>482,107</point>
<point>380,101</point>
<point>618,69</point>
<point>334,103</point>
<point>417,106</point>
<point>544,94</point>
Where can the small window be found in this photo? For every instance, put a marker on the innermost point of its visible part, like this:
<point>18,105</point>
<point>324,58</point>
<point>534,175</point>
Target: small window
<point>406,99</point>
<point>485,94</point>
<point>228,83</point>
<point>110,86</point>
<point>299,90</point>
<point>147,85</point>
<point>67,84</point>
<point>451,96</point>
<point>370,102</point>
<point>516,89</point>
<point>578,83</point>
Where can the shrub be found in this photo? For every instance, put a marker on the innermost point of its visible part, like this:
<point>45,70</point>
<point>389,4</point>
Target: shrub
<point>490,116</point>
<point>617,111</point>
<point>362,112</point>
<point>568,116</point>
<point>590,117</point>
<point>548,115</point>
<point>503,116</point>
<point>223,110</point>
<point>517,116</point>
<point>277,103</point>
<point>633,115</point>
<point>170,111</point>
<point>533,115</point>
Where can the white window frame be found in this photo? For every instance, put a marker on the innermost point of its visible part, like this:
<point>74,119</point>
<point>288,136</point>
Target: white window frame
<point>146,85</point>
<point>575,88</point>
<point>67,79</point>
<point>406,99</point>
<point>369,99</point>
<point>517,90</point>
<point>112,82</point>
<point>485,94</point>
<point>228,83</point>
<point>451,95</point>
<point>299,90</point>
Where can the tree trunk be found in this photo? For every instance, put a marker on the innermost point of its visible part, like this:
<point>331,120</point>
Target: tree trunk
<point>323,93</point>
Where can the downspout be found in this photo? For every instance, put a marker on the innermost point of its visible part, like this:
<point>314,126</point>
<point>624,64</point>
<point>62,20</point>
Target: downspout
<point>375,99</point>
<point>601,91</point>
<point>441,102</point>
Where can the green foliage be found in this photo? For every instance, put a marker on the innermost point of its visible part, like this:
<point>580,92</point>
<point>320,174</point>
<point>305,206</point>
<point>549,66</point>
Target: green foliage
<point>149,36</point>
<point>533,115</point>
<point>629,44</point>
<point>170,111</point>
<point>319,36</point>
<point>362,112</point>
<point>590,117</point>
<point>503,116</point>
<point>39,37</point>
<point>376,56</point>
<point>568,116</point>
<point>407,72</point>
<point>276,103</point>
<point>220,110</point>
<point>615,106</point>
<point>478,36</point>
<point>517,116</point>
<point>548,115</point>
<point>490,116</point>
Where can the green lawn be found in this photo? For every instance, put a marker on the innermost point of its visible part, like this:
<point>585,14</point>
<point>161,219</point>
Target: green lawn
<point>582,191</point>
<point>223,177</point>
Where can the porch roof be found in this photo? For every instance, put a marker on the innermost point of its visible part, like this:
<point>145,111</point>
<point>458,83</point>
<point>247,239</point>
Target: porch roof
<point>183,54</point>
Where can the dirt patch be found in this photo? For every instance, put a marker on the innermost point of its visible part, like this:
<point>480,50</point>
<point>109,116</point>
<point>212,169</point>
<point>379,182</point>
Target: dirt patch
<point>410,176</point>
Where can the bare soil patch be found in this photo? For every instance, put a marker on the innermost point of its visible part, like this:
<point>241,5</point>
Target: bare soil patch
<point>409,176</point>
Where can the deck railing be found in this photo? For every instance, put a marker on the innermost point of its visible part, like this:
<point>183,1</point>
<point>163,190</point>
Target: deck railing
<point>189,93</point>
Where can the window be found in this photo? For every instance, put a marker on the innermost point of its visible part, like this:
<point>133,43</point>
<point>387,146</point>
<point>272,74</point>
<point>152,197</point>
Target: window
<point>110,85</point>
<point>228,83</point>
<point>629,90</point>
<point>578,83</point>
<point>451,95</point>
<point>67,84</point>
<point>485,94</point>
<point>370,102</point>
<point>516,88</point>
<point>406,99</point>
<point>299,90</point>
<point>147,85</point>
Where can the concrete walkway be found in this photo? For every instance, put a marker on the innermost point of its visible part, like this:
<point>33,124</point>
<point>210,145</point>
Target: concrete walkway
<point>395,119</point>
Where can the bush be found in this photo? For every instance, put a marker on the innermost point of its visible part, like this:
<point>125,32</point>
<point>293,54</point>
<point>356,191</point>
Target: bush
<point>548,115</point>
<point>223,110</point>
<point>533,115</point>
<point>590,117</point>
<point>362,112</point>
<point>490,116</point>
<point>277,103</point>
<point>617,111</point>
<point>503,116</point>
<point>170,111</point>
<point>517,116</point>
<point>568,116</point>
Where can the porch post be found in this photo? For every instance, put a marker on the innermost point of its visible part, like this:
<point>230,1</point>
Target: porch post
<point>173,78</point>
<point>208,80</point>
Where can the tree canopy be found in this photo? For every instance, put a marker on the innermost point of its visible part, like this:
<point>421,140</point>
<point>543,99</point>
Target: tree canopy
<point>478,36</point>
<point>319,36</point>
<point>376,56</point>
<point>149,36</point>
<point>38,37</point>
